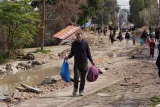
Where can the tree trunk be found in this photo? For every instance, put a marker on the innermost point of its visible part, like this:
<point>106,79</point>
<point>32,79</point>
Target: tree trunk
<point>4,42</point>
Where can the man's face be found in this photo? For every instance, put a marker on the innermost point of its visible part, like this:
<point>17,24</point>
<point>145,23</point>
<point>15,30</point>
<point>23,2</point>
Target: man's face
<point>79,38</point>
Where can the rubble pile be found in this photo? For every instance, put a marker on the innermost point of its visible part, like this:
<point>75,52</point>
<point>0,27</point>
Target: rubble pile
<point>28,92</point>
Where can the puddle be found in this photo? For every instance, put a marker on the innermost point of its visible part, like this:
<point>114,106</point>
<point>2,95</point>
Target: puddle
<point>30,77</point>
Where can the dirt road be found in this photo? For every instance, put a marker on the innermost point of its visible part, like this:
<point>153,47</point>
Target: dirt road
<point>140,83</point>
<point>140,88</point>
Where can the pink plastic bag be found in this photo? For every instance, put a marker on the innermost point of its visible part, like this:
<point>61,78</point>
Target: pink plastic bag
<point>92,74</point>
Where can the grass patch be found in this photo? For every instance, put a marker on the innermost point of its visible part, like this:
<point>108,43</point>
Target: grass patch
<point>154,101</point>
<point>42,51</point>
<point>4,58</point>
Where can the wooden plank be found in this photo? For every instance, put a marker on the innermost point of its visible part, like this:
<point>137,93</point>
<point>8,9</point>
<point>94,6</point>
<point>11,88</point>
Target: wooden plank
<point>31,89</point>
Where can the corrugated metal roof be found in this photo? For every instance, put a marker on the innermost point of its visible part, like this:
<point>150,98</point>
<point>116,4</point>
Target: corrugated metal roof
<point>66,32</point>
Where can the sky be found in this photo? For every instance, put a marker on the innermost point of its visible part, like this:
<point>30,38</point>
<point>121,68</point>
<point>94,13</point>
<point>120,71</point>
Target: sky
<point>124,2</point>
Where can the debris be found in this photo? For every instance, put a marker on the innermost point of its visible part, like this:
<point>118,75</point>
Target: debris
<point>2,97</point>
<point>123,84</point>
<point>16,94</point>
<point>100,72</point>
<point>34,63</point>
<point>106,68</point>
<point>48,80</point>
<point>24,65</point>
<point>21,89</point>
<point>5,98</point>
<point>30,56</point>
<point>31,89</point>
<point>8,67</point>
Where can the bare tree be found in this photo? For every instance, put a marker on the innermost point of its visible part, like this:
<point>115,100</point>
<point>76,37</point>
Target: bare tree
<point>67,10</point>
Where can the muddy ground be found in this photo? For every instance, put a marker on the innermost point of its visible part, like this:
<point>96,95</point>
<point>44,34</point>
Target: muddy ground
<point>140,88</point>
<point>141,81</point>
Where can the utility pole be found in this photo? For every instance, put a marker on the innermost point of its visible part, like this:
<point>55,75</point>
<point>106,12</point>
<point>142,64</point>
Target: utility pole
<point>43,24</point>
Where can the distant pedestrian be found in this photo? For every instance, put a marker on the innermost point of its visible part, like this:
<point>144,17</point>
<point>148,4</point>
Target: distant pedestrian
<point>133,38</point>
<point>111,37</point>
<point>157,33</point>
<point>127,37</point>
<point>144,36</point>
<point>105,31</point>
<point>114,31</point>
<point>148,40</point>
<point>133,28</point>
<point>151,35</point>
<point>99,29</point>
<point>152,47</point>
<point>120,37</point>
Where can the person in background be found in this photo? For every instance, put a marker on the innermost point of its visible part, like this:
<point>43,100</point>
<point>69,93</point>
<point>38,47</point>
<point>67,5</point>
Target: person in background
<point>105,31</point>
<point>127,37</point>
<point>111,37</point>
<point>133,38</point>
<point>133,28</point>
<point>144,36</point>
<point>114,31</point>
<point>150,29</point>
<point>151,35</point>
<point>81,52</point>
<point>148,40</point>
<point>119,37</point>
<point>152,47</point>
<point>157,35</point>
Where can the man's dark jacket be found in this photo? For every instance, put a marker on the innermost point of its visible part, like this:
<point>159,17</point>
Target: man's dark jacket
<point>81,53</point>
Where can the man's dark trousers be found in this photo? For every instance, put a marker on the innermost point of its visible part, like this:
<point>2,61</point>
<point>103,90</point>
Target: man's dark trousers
<point>80,71</point>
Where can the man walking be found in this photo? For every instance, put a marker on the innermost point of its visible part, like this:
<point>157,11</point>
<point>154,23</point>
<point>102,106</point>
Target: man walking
<point>81,52</point>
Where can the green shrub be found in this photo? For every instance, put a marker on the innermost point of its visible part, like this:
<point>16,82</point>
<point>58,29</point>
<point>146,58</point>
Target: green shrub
<point>154,101</point>
<point>3,58</point>
<point>20,23</point>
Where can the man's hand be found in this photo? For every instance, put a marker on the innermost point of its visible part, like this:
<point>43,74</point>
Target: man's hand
<point>93,64</point>
<point>66,58</point>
